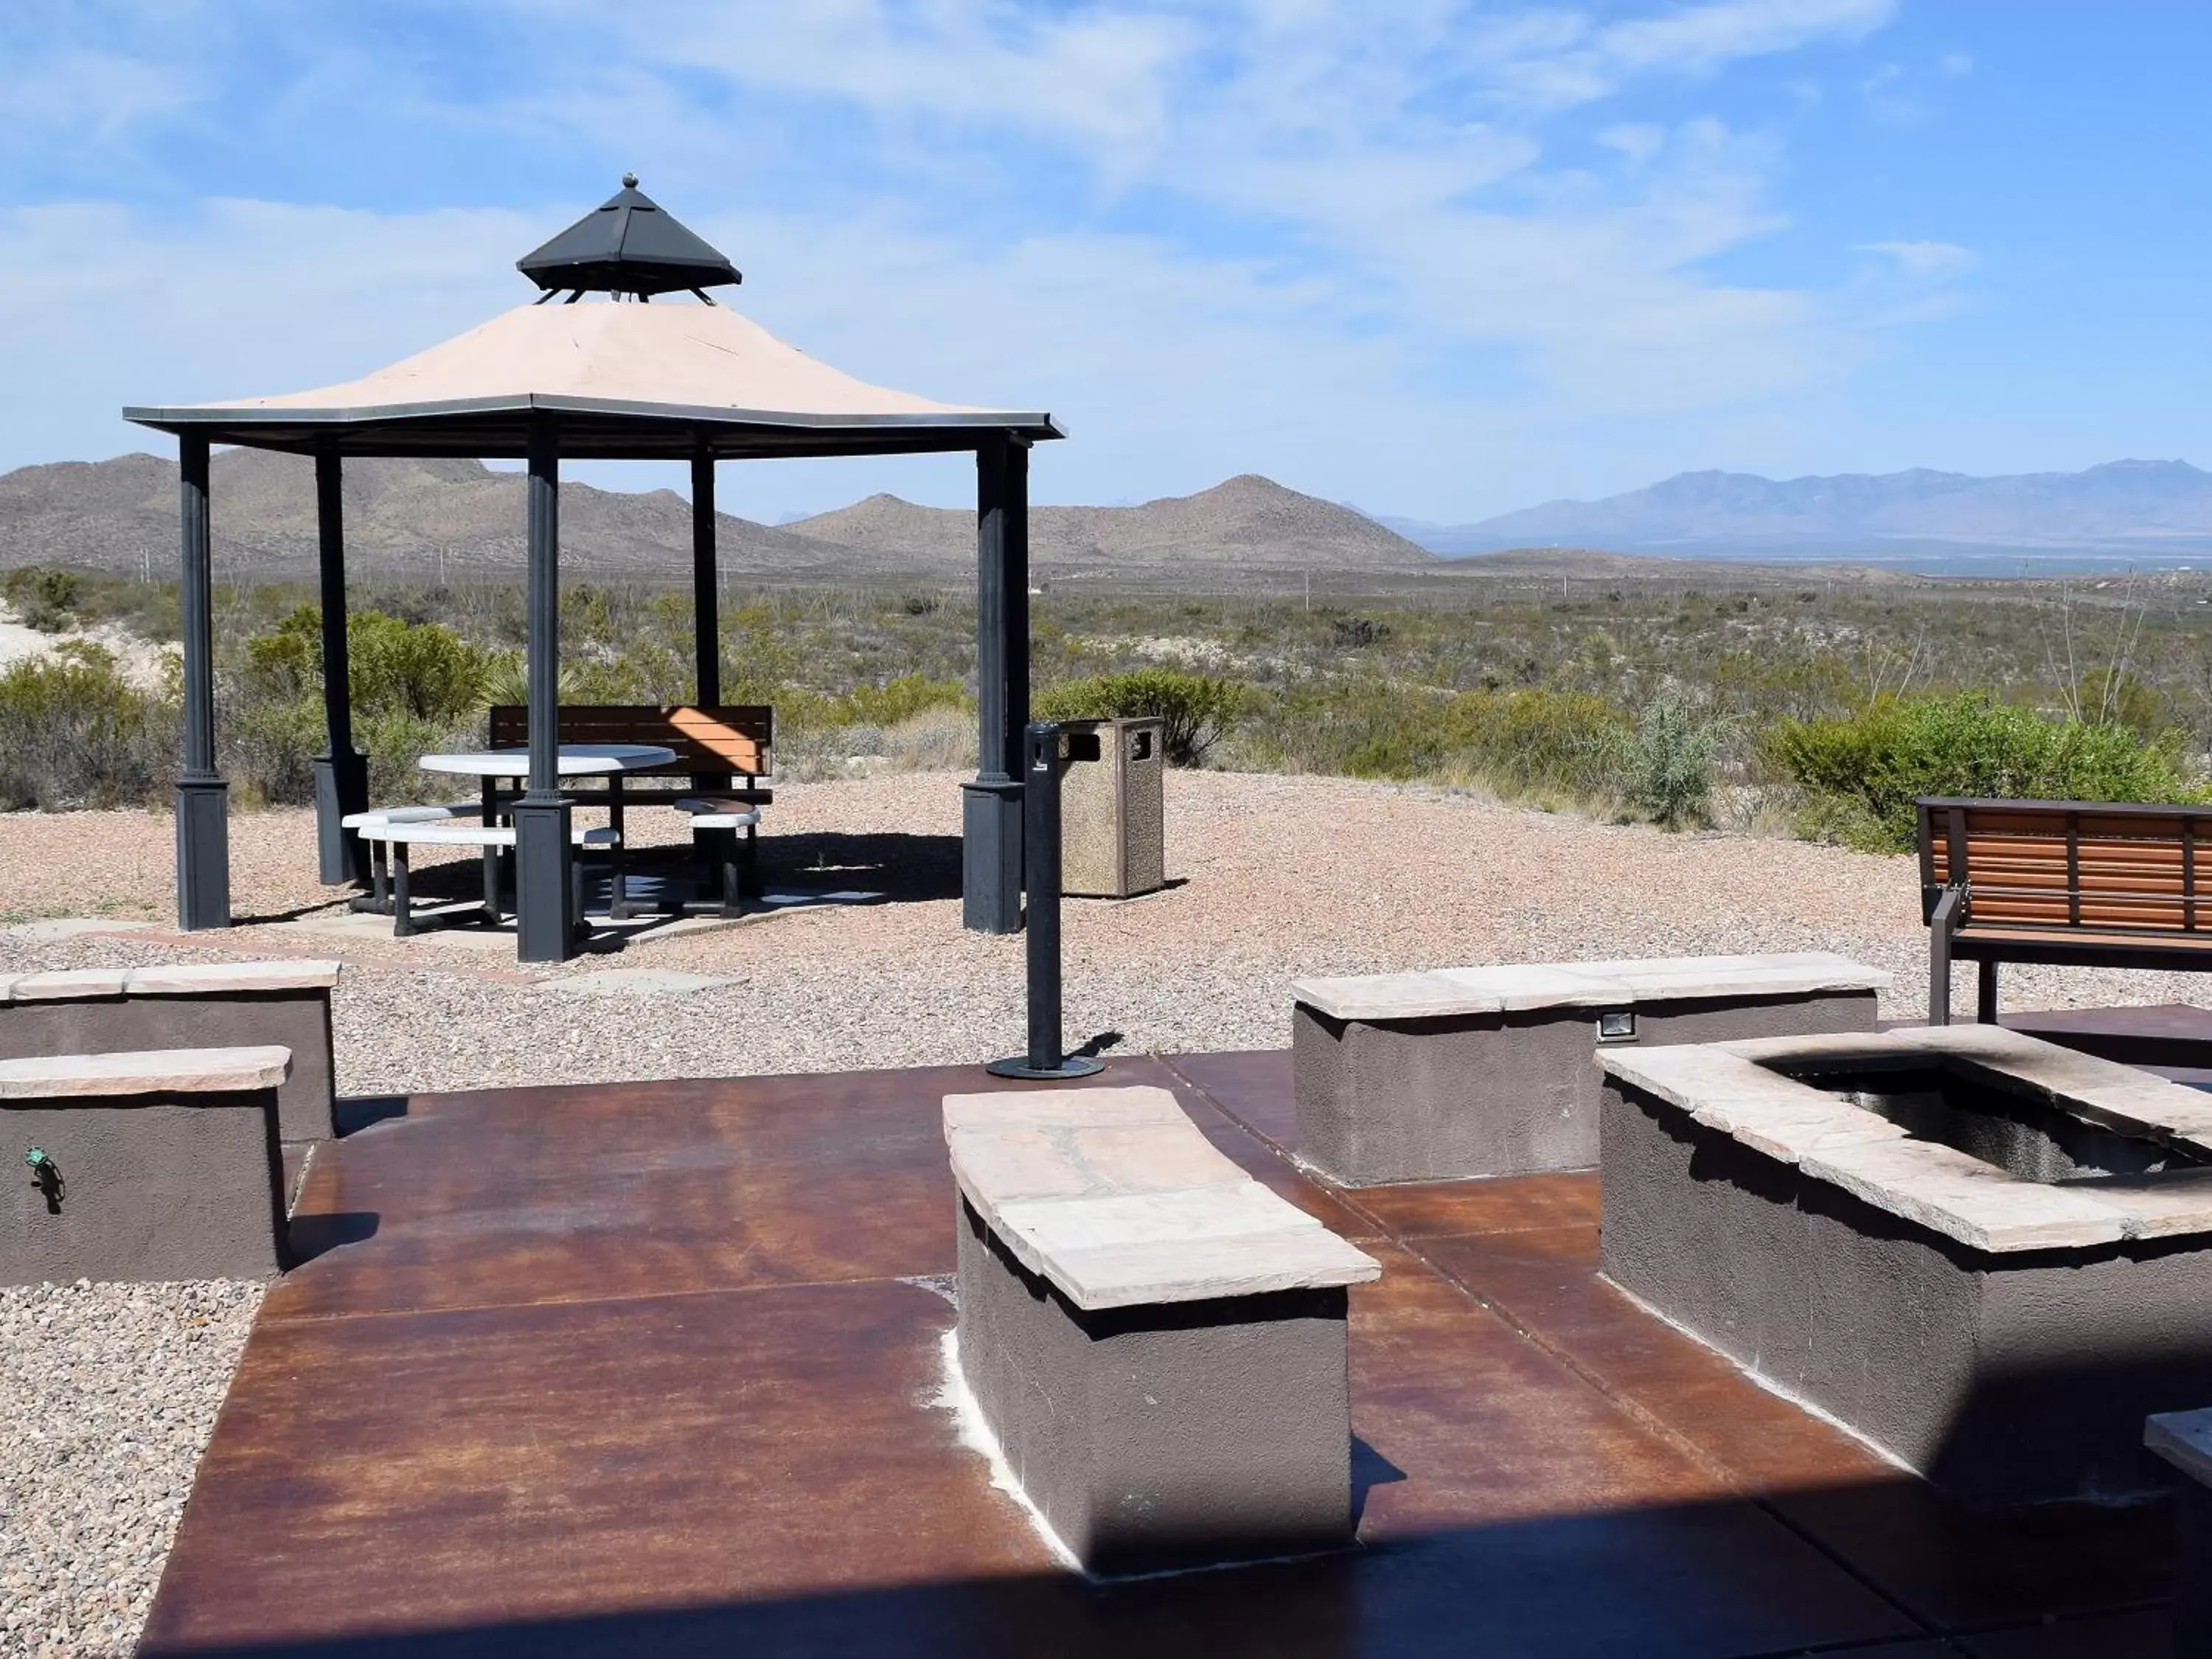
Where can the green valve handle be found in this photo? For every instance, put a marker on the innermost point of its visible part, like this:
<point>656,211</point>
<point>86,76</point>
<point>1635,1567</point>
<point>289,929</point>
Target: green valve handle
<point>37,1158</point>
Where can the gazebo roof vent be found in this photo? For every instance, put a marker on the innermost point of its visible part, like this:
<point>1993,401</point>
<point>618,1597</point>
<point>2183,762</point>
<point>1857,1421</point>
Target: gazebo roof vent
<point>628,245</point>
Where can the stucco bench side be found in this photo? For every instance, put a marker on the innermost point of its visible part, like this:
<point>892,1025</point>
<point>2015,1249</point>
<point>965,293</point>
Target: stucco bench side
<point>2183,1439</point>
<point>1157,1341</point>
<point>161,1164</point>
<point>1464,1074</point>
<point>190,1005</point>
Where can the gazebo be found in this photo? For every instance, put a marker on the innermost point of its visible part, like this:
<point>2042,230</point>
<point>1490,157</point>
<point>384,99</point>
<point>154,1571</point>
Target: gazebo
<point>617,378</point>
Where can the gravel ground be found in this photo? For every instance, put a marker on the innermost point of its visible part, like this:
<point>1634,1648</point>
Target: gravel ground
<point>1275,878</point>
<point>111,1392</point>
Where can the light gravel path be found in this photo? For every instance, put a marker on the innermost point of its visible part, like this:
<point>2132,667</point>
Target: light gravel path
<point>1277,877</point>
<point>110,1392</point>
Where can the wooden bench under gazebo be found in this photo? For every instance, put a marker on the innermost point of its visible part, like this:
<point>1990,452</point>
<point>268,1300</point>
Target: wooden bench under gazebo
<point>620,379</point>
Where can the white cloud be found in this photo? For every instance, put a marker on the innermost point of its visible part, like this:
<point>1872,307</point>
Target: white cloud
<point>1213,233</point>
<point>1925,261</point>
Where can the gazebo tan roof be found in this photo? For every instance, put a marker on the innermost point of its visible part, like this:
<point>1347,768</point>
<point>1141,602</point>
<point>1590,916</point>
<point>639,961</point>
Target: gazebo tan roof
<point>626,378</point>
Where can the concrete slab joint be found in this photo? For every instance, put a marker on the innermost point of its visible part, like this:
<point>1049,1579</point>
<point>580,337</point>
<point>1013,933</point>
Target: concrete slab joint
<point>1989,1256</point>
<point>155,1165</point>
<point>1156,1340</point>
<point>1469,1072</point>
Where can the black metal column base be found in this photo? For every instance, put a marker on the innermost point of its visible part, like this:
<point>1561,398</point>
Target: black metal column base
<point>991,857</point>
<point>545,917</point>
<point>1070,1066</point>
<point>341,788</point>
<point>202,854</point>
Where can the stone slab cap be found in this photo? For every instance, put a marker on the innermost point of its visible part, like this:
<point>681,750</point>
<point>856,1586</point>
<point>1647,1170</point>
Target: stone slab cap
<point>154,1072</point>
<point>205,978</point>
<point>1731,1088</point>
<point>1114,1195</point>
<point>60,985</point>
<point>1513,987</point>
<point>2185,1440</point>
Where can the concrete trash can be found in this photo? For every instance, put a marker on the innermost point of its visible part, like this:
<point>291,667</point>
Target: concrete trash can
<point>1112,815</point>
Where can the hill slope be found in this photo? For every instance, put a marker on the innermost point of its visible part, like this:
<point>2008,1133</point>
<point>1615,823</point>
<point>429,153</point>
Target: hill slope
<point>2123,506</point>
<point>455,517</point>
<point>417,517</point>
<point>1247,520</point>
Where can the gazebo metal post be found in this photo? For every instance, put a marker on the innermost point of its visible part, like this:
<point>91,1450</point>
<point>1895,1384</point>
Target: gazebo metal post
<point>341,771</point>
<point>991,816</point>
<point>706,610</point>
<point>544,925</point>
<point>203,797</point>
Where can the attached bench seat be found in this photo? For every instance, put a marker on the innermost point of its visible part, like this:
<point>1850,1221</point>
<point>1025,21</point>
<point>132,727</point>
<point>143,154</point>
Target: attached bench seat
<point>401,835</point>
<point>2061,883</point>
<point>146,1166</point>
<point>1156,1340</point>
<point>734,828</point>
<point>1468,1073</point>
<point>98,1011</point>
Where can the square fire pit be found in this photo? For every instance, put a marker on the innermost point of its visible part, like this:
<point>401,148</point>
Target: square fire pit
<point>1989,1256</point>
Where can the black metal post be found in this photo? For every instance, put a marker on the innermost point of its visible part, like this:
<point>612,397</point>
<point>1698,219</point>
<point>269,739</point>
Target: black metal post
<point>203,797</point>
<point>341,772</point>
<point>991,816</point>
<point>543,913</point>
<point>1042,764</point>
<point>706,608</point>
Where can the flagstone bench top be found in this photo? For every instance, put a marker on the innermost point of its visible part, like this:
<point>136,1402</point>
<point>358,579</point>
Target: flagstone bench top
<point>160,1071</point>
<point>1114,1195</point>
<point>2185,1440</point>
<point>1514,986</point>
<point>174,978</point>
<point>1732,1088</point>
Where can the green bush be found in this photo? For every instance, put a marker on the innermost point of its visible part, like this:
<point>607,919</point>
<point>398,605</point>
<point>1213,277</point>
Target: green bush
<point>1863,773</point>
<point>424,670</point>
<point>45,599</point>
<point>1553,744</point>
<point>1197,708</point>
<point>1670,773</point>
<point>75,734</point>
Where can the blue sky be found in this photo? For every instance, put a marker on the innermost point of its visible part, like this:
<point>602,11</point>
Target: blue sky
<point>1441,258</point>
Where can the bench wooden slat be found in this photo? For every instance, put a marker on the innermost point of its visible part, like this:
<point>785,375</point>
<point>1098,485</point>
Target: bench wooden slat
<point>710,741</point>
<point>2057,881</point>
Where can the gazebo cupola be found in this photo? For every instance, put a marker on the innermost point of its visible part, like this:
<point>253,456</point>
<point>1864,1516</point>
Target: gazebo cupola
<point>698,384</point>
<point>628,245</point>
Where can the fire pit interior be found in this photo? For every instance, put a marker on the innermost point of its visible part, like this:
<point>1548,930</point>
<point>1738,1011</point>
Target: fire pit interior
<point>1985,1113</point>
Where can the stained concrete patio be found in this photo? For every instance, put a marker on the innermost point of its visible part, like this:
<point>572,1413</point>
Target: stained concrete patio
<point>649,1369</point>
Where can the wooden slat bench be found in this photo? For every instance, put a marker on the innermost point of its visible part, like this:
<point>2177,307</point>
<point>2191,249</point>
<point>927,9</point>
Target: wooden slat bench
<point>2069,883</point>
<point>726,752</point>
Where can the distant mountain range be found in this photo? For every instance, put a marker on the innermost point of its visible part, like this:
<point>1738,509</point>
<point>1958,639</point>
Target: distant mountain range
<point>2153,509</point>
<point>452,518</point>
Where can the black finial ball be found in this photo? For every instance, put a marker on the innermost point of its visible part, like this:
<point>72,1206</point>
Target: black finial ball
<point>630,181</point>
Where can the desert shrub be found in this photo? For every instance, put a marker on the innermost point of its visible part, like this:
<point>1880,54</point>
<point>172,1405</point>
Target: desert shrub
<point>74,732</point>
<point>1863,773</point>
<point>1198,708</point>
<point>1568,745</point>
<point>422,669</point>
<point>45,599</point>
<point>1669,770</point>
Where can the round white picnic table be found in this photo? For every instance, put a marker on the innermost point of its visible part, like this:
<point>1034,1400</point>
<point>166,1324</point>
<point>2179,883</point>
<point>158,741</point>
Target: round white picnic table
<point>571,760</point>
